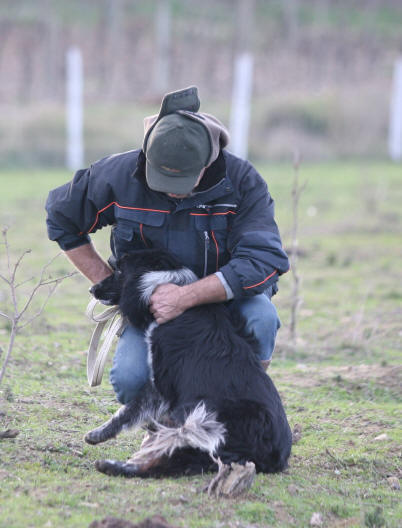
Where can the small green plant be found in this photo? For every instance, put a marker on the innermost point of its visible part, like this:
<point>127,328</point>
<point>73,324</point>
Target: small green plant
<point>374,519</point>
<point>256,512</point>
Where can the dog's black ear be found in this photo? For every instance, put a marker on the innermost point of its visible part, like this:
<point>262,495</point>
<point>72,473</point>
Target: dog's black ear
<point>119,263</point>
<point>126,262</point>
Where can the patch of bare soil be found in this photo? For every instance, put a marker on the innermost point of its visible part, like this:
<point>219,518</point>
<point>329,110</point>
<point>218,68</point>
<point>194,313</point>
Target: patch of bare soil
<point>281,513</point>
<point>9,433</point>
<point>306,376</point>
<point>112,522</point>
<point>344,523</point>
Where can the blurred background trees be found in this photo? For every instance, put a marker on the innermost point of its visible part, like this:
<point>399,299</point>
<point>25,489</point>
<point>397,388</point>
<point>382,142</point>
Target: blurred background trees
<point>322,71</point>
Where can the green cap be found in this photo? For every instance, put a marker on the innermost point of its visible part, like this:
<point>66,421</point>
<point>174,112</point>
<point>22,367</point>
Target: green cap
<point>177,150</point>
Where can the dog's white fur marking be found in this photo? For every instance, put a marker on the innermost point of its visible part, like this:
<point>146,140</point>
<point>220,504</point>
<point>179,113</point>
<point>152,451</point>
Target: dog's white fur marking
<point>200,430</point>
<point>148,340</point>
<point>149,414</point>
<point>150,280</point>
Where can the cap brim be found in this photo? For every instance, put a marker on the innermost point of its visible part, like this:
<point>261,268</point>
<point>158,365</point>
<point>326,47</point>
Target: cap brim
<point>158,181</point>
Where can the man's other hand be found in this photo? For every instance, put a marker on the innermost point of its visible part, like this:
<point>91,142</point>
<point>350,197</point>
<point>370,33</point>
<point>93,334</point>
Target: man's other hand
<point>166,303</point>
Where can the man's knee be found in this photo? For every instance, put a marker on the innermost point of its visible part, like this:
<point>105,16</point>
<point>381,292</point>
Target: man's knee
<point>130,369</point>
<point>264,317</point>
<point>262,320</point>
<point>126,385</point>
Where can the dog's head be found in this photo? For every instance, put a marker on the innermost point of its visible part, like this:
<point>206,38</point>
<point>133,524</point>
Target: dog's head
<point>130,268</point>
<point>108,290</point>
<point>136,275</point>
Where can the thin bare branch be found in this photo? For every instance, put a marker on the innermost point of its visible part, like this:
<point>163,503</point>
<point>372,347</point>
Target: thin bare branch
<point>59,279</point>
<point>42,273</point>
<point>9,350</point>
<point>4,279</point>
<point>5,315</point>
<point>11,274</point>
<point>45,267</point>
<point>39,312</point>
<point>4,233</point>
<point>297,190</point>
<point>38,286</point>
<point>16,265</point>
<point>24,282</point>
<point>54,283</point>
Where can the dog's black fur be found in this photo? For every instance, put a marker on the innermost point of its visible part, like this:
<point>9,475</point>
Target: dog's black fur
<point>203,355</point>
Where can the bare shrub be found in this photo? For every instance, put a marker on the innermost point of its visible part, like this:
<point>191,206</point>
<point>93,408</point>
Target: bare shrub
<point>296,300</point>
<point>19,312</point>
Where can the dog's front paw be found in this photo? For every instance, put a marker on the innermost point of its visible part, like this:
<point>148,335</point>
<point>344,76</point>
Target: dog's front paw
<point>101,434</point>
<point>94,437</point>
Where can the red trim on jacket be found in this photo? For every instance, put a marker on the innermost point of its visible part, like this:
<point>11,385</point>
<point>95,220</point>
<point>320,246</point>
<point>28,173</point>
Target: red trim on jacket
<point>142,236</point>
<point>217,250</point>
<point>122,207</point>
<point>262,282</point>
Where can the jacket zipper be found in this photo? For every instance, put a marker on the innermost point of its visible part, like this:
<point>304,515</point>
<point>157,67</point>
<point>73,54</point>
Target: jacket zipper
<point>207,207</point>
<point>206,247</point>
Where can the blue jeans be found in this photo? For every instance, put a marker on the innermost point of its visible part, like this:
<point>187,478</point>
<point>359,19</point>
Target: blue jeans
<point>130,363</point>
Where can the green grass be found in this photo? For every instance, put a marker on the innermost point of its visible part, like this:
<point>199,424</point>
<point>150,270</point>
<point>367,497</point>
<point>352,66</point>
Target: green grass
<point>341,383</point>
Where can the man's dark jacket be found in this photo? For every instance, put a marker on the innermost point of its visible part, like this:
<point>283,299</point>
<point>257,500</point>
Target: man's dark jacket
<point>227,224</point>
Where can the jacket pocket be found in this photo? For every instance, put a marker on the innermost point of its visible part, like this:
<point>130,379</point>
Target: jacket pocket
<point>137,229</point>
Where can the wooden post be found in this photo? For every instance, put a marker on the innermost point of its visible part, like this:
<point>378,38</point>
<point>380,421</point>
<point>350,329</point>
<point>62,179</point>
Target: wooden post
<point>242,79</point>
<point>241,104</point>
<point>74,110</point>
<point>291,17</point>
<point>395,121</point>
<point>113,16</point>
<point>162,44</point>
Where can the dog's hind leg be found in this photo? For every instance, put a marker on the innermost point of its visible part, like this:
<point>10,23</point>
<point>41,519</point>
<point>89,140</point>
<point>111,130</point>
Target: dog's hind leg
<point>183,462</point>
<point>115,468</point>
<point>147,406</point>
<point>177,450</point>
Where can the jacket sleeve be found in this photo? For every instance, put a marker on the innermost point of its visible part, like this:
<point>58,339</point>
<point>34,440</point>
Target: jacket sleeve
<point>257,256</point>
<point>78,208</point>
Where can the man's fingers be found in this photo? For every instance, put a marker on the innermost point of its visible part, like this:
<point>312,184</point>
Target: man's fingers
<point>164,303</point>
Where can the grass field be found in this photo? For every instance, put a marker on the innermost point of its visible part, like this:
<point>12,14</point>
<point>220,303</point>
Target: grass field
<point>341,384</point>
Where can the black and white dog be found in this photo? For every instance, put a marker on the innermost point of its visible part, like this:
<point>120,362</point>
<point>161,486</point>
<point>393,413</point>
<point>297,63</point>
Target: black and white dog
<point>208,397</point>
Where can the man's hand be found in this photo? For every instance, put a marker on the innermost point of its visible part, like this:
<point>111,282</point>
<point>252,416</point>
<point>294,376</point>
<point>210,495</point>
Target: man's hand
<point>169,300</point>
<point>166,302</point>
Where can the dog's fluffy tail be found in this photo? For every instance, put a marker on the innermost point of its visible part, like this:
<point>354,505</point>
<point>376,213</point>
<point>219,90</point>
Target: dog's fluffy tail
<point>200,430</point>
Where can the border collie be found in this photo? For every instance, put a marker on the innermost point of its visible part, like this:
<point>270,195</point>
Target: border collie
<point>208,397</point>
